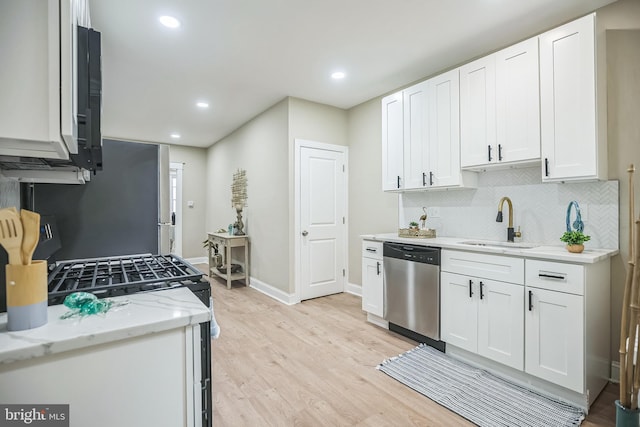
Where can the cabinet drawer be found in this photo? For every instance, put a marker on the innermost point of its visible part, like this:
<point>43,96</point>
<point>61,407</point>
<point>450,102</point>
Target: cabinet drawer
<point>371,249</point>
<point>495,267</point>
<point>555,276</point>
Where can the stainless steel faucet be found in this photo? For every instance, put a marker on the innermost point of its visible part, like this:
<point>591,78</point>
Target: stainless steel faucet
<point>510,233</point>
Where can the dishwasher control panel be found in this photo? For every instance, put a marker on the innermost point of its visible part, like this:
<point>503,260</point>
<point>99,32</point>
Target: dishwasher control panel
<point>413,253</point>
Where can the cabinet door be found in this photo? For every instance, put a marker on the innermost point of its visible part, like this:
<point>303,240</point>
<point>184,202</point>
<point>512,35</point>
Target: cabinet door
<point>477,112</point>
<point>416,135</point>
<point>372,286</point>
<point>518,102</point>
<point>392,136</point>
<point>554,331</point>
<point>501,322</point>
<point>568,101</point>
<point>444,127</point>
<point>459,311</point>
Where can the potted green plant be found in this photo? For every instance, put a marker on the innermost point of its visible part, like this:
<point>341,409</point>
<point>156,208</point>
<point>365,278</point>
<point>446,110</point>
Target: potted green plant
<point>575,240</point>
<point>413,225</point>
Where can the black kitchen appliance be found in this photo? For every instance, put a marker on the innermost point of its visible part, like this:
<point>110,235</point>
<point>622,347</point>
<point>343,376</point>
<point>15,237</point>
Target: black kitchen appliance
<point>124,275</point>
<point>89,154</point>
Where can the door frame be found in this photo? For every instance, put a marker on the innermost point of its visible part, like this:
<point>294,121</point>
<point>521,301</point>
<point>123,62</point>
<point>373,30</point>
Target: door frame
<point>178,167</point>
<point>298,145</point>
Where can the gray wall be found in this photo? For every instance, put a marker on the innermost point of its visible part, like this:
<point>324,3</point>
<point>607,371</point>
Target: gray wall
<point>371,211</point>
<point>264,147</point>
<point>623,104</point>
<point>313,122</point>
<point>116,213</point>
<point>259,147</point>
<point>194,188</point>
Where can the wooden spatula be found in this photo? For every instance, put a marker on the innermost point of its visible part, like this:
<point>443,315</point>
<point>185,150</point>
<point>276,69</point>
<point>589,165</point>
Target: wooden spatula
<point>11,234</point>
<point>31,234</point>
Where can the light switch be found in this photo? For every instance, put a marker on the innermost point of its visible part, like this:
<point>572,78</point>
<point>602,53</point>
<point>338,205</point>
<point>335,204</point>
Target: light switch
<point>190,203</point>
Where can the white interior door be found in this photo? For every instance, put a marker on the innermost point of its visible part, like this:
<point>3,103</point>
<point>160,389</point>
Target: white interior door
<point>322,223</point>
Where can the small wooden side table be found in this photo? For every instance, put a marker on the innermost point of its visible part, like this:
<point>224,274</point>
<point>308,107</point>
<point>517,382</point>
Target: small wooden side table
<point>227,241</point>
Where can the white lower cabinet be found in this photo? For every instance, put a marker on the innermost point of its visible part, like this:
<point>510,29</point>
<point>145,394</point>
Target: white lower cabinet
<point>372,278</point>
<point>549,321</point>
<point>555,337</point>
<point>483,316</point>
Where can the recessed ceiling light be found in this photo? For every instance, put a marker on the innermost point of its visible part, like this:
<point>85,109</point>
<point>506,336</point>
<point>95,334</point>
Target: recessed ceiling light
<point>338,75</point>
<point>175,135</point>
<point>169,21</point>
<point>202,104</point>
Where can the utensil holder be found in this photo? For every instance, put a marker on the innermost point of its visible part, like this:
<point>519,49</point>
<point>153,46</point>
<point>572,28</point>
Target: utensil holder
<point>26,295</point>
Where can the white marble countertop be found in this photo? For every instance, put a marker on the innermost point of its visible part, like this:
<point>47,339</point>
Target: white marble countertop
<point>145,313</point>
<point>548,252</point>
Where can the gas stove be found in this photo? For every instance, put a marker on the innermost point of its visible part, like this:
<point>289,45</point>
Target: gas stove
<point>121,275</point>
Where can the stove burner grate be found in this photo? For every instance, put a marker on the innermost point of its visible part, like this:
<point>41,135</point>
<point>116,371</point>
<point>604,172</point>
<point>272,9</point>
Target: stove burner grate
<point>118,275</point>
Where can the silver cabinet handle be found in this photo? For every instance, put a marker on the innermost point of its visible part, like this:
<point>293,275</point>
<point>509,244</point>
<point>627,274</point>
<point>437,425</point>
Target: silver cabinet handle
<point>305,232</point>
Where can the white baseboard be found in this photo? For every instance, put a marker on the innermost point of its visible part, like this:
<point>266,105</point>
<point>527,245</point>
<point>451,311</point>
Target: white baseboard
<point>615,372</point>
<point>199,260</point>
<point>378,321</point>
<point>275,293</point>
<point>354,289</point>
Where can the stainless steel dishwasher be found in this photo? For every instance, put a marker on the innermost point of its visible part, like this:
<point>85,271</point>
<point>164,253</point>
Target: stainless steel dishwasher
<point>412,291</point>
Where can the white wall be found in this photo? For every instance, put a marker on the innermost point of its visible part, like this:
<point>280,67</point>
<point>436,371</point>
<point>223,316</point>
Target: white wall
<point>194,188</point>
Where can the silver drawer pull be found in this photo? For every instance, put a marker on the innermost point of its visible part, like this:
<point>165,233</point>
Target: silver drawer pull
<point>556,276</point>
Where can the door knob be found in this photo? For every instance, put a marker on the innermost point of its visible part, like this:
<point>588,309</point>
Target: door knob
<point>305,232</point>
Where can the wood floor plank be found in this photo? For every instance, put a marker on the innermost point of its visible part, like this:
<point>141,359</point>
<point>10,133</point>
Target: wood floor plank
<point>313,364</point>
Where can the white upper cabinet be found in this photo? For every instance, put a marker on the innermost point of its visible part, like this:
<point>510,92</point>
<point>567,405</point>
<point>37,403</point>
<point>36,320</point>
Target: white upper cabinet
<point>500,119</point>
<point>477,112</point>
<point>573,127</point>
<point>421,137</point>
<point>518,103</point>
<point>444,133</point>
<point>392,141</point>
<point>416,135</point>
<point>38,85</point>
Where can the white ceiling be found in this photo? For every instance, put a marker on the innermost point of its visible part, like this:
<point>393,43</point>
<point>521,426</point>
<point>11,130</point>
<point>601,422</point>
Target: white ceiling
<point>242,56</point>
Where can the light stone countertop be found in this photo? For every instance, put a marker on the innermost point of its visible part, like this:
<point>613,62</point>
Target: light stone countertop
<point>145,313</point>
<point>545,252</point>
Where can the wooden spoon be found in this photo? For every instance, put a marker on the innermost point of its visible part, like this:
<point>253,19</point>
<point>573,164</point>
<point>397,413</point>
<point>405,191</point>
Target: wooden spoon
<point>11,234</point>
<point>31,234</point>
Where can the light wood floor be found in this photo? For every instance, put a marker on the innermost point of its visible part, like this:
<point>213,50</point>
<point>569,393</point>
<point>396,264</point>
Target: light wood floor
<point>313,364</point>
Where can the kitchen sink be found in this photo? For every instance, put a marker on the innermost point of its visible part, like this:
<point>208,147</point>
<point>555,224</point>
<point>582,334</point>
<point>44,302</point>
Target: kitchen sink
<point>501,245</point>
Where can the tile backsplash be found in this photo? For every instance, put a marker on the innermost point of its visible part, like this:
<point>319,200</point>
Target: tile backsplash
<point>539,209</point>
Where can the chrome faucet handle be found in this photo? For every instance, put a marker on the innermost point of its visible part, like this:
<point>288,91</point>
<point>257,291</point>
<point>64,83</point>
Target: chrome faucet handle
<point>518,233</point>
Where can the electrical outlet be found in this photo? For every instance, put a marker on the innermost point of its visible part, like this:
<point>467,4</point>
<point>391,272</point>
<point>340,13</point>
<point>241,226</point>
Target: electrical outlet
<point>433,212</point>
